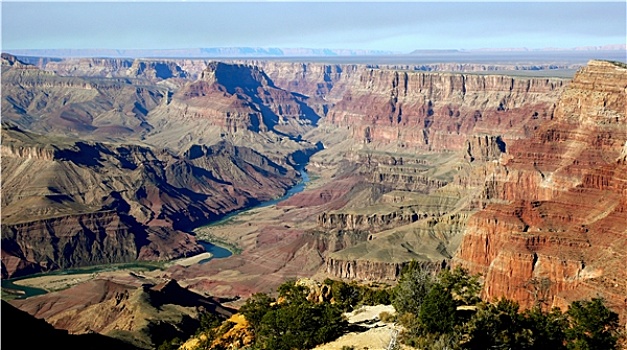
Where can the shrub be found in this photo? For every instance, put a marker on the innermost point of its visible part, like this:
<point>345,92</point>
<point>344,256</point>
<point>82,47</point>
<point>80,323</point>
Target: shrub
<point>437,312</point>
<point>592,326</point>
<point>411,290</point>
<point>387,317</point>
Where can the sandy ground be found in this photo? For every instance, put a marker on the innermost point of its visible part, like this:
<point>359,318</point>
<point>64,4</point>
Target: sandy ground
<point>373,339</point>
<point>193,259</point>
<point>54,283</point>
<point>58,282</point>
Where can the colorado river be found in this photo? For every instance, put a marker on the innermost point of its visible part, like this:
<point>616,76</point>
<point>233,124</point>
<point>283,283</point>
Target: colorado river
<point>220,252</point>
<point>299,187</point>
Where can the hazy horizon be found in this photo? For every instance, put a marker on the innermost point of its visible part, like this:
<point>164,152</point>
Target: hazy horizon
<point>400,27</point>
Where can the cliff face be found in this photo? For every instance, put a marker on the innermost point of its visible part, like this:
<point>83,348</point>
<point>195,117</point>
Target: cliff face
<point>430,111</point>
<point>48,244</point>
<point>86,67</point>
<point>147,69</point>
<point>439,111</point>
<point>560,233</point>
<point>374,270</point>
<point>239,103</point>
<point>428,137</point>
<point>247,91</point>
<point>372,222</point>
<point>412,159</point>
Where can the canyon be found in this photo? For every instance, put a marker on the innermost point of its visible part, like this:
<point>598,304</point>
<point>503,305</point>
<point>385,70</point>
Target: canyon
<point>518,177</point>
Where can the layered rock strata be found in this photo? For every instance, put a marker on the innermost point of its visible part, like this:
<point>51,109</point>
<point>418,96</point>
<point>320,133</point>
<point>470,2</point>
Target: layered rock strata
<point>238,103</point>
<point>559,235</point>
<point>420,133</point>
<point>86,107</point>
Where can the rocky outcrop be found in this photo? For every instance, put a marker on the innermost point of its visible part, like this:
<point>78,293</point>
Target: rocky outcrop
<point>429,242</point>
<point>406,178</point>
<point>365,270</point>
<point>328,82</point>
<point>155,70</point>
<point>12,61</point>
<point>484,148</point>
<point>88,67</point>
<point>239,103</point>
<point>559,234</point>
<point>367,222</point>
<point>267,106</point>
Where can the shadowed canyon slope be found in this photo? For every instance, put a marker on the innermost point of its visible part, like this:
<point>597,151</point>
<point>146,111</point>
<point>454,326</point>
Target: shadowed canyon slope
<point>48,336</point>
<point>520,178</point>
<point>144,313</point>
<point>73,203</point>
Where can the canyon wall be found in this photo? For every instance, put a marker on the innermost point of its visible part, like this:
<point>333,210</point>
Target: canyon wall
<point>374,270</point>
<point>238,103</point>
<point>86,107</point>
<point>430,138</point>
<point>559,235</point>
<point>414,109</point>
<point>439,111</point>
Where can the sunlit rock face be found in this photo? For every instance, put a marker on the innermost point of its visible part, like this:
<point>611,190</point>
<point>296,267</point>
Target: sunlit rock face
<point>560,235</point>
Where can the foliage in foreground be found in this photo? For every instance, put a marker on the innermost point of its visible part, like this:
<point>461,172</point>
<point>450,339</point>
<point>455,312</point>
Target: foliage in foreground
<point>294,322</point>
<point>445,312</point>
<point>436,312</point>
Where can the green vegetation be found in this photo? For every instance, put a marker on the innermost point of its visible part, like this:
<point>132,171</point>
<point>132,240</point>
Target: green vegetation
<point>439,312</point>
<point>294,322</point>
<point>350,295</point>
<point>291,321</point>
<point>173,344</point>
<point>619,64</point>
<point>592,326</point>
<point>211,326</point>
<point>445,312</point>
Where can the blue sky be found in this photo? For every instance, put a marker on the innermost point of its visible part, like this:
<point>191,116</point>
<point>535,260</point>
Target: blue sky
<point>400,26</point>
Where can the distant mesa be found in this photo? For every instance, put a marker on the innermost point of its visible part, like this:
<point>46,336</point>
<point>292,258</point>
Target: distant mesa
<point>434,52</point>
<point>612,47</point>
<point>214,52</point>
<point>274,52</point>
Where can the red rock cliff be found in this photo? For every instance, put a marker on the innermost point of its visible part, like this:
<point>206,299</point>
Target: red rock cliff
<point>560,234</point>
<point>438,111</point>
<point>424,110</point>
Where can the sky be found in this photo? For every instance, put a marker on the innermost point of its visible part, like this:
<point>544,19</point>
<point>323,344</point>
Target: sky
<point>400,26</point>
